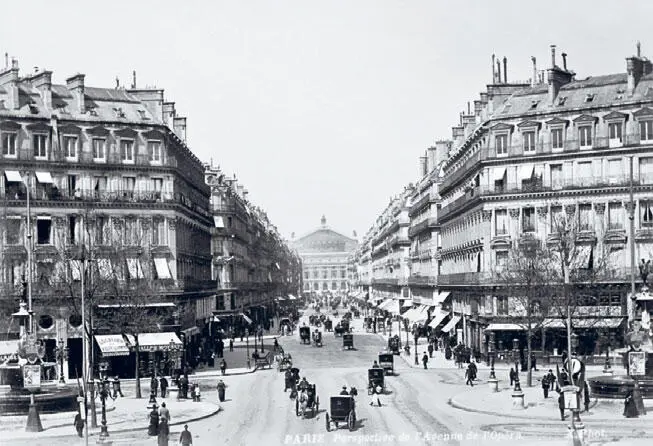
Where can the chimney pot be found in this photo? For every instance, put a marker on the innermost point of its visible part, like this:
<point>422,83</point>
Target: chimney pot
<point>498,71</point>
<point>14,63</point>
<point>505,70</point>
<point>639,49</point>
<point>76,85</point>
<point>134,79</point>
<point>494,75</point>
<point>564,61</point>
<point>553,56</point>
<point>36,69</point>
<point>534,78</point>
<point>6,60</point>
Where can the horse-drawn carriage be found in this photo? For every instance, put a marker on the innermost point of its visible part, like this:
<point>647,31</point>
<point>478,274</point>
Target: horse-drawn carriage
<point>342,411</point>
<point>386,362</point>
<point>375,380</point>
<point>328,325</point>
<point>367,322</point>
<point>312,402</point>
<point>317,338</point>
<point>284,362</point>
<point>380,324</point>
<point>291,380</point>
<point>338,330</point>
<point>305,335</point>
<point>347,341</point>
<point>345,325</point>
<point>394,345</point>
<point>286,327</point>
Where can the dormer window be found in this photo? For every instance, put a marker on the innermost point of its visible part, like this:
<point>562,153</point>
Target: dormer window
<point>119,113</point>
<point>501,142</point>
<point>585,136</point>
<point>99,150</point>
<point>40,145</point>
<point>557,138</point>
<point>615,134</point>
<point>562,100</point>
<point>646,130</point>
<point>534,104</point>
<point>528,138</point>
<point>589,97</point>
<point>127,151</point>
<point>155,152</point>
<point>69,143</point>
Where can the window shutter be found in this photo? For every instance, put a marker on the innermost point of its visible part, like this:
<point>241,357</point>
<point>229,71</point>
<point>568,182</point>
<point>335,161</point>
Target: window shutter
<point>150,150</point>
<point>122,150</point>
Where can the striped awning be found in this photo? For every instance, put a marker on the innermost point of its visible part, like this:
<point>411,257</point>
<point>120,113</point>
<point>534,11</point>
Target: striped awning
<point>438,317</point>
<point>451,324</point>
<point>112,345</point>
<point>505,327</point>
<point>152,342</point>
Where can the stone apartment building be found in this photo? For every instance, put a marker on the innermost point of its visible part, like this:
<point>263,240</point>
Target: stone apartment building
<point>111,180</point>
<point>252,265</point>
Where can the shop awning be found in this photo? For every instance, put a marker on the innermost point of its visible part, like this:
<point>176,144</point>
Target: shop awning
<point>438,317</point>
<point>407,303</point>
<point>13,176</point>
<point>642,296</point>
<point>451,324</point>
<point>190,331</point>
<point>104,268</point>
<point>161,266</point>
<point>393,307</point>
<point>506,327</point>
<point>611,322</point>
<point>8,348</point>
<point>526,172</point>
<point>112,345</point>
<point>44,177</point>
<point>499,173</point>
<point>151,342</point>
<point>409,314</point>
<point>218,221</point>
<point>280,299</point>
<point>247,319</point>
<point>441,297</point>
<point>291,297</point>
<point>385,303</point>
<point>134,268</point>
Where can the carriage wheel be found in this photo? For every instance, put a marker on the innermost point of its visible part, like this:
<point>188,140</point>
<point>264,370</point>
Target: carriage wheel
<point>297,407</point>
<point>328,424</point>
<point>351,421</point>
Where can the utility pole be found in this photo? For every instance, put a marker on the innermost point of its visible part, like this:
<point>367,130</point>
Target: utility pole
<point>30,246</point>
<point>631,239</point>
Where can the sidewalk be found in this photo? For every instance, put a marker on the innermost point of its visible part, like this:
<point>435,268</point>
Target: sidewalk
<point>123,415</point>
<point>481,399</point>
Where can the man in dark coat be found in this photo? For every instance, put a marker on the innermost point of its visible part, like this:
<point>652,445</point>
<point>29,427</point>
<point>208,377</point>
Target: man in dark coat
<point>425,359</point>
<point>430,349</point>
<point>469,374</point>
<point>154,385</point>
<point>153,428</point>
<point>586,395</point>
<point>545,385</point>
<point>513,375</point>
<point>79,425</point>
<point>186,438</point>
<point>561,405</point>
<point>164,386</point>
<point>630,408</point>
<point>231,344</point>
<point>116,388</point>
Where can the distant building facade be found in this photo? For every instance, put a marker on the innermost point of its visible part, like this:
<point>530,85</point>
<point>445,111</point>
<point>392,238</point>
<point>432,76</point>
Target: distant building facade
<point>325,260</point>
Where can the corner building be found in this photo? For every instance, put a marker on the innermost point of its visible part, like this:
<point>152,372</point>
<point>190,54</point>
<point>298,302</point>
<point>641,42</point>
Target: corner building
<point>533,150</point>
<point>106,169</point>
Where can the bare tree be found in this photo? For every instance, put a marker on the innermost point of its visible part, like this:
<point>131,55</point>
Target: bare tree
<point>524,279</point>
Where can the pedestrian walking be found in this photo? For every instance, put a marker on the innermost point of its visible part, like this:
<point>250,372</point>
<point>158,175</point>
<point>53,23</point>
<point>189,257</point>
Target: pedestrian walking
<point>561,405</point>
<point>586,395</point>
<point>154,384</point>
<point>116,388</point>
<point>533,362</point>
<point>545,385</point>
<point>513,375</point>
<point>469,374</point>
<point>630,408</point>
<point>164,413</point>
<point>474,370</point>
<point>153,428</point>
<point>164,386</point>
<point>164,433</point>
<point>425,359</point>
<point>221,390</point>
<point>186,438</point>
<point>430,349</point>
<point>231,344</point>
<point>79,425</point>
<point>552,380</point>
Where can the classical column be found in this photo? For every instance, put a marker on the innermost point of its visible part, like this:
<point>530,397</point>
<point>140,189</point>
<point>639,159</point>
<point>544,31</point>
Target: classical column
<point>514,223</point>
<point>542,212</point>
<point>61,329</point>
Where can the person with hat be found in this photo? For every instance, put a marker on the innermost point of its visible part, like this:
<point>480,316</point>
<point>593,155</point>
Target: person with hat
<point>186,438</point>
<point>116,387</point>
<point>344,391</point>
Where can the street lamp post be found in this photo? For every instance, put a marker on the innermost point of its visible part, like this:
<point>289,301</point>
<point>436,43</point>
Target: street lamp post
<point>103,391</point>
<point>171,360</point>
<point>515,350</point>
<point>247,343</point>
<point>607,369</point>
<point>61,353</point>
<point>416,339</point>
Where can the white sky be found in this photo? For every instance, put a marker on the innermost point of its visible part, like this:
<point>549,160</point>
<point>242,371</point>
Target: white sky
<point>319,107</point>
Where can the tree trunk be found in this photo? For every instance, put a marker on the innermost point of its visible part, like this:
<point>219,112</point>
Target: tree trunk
<point>529,337</point>
<point>137,350</point>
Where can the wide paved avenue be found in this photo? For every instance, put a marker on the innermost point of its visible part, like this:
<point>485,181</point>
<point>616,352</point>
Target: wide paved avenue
<point>415,410</point>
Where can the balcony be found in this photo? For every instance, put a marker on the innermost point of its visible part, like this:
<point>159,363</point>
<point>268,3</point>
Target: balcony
<point>392,281</point>
<point>465,279</point>
<point>418,228</point>
<point>423,280</point>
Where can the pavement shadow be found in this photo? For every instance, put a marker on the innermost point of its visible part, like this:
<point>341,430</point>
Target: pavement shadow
<point>359,423</point>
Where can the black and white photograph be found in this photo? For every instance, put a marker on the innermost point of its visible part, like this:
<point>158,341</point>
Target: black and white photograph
<point>326,222</point>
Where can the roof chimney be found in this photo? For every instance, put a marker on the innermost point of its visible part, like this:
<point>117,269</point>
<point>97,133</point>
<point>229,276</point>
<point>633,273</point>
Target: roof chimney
<point>635,69</point>
<point>134,79</point>
<point>639,49</point>
<point>505,70</point>
<point>498,71</point>
<point>75,85</point>
<point>169,113</point>
<point>494,73</point>
<point>534,78</point>
<point>423,166</point>
<point>557,77</point>
<point>6,60</point>
<point>553,56</point>
<point>469,108</point>
<point>117,83</point>
<point>179,127</point>
<point>43,83</point>
<point>564,61</point>
<point>9,80</point>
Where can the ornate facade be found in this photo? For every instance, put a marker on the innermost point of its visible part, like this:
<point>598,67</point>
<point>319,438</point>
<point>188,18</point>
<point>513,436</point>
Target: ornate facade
<point>106,170</point>
<point>252,264</point>
<point>325,260</point>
